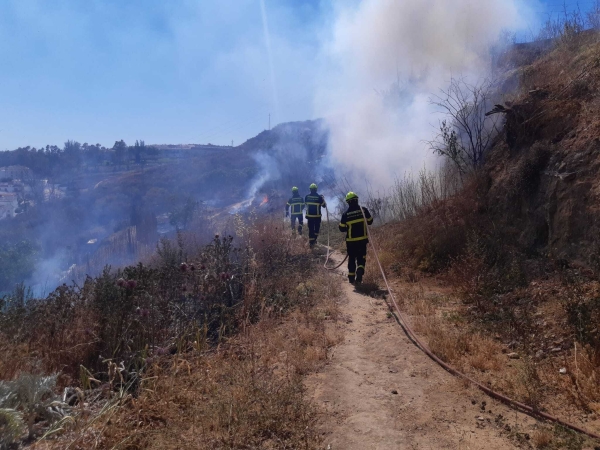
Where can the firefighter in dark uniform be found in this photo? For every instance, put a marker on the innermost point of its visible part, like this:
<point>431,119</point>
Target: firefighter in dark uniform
<point>296,204</point>
<point>353,224</point>
<point>314,202</point>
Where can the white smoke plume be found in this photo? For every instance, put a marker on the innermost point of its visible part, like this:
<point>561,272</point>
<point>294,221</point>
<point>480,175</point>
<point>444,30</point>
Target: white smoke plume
<point>415,46</point>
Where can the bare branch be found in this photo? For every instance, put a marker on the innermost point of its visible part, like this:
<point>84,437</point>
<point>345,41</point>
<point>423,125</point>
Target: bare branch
<point>466,134</point>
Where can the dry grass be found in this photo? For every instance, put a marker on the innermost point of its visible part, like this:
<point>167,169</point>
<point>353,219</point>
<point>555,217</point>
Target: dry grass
<point>542,438</point>
<point>208,402</point>
<point>235,382</point>
<point>484,354</point>
<point>584,372</point>
<point>455,343</point>
<point>246,394</point>
<point>529,386</point>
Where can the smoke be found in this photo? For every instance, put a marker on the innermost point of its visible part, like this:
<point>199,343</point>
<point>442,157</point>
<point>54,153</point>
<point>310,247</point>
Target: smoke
<point>382,62</point>
<point>291,154</point>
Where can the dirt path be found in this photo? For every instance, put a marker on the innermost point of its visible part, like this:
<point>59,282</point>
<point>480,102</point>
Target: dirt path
<point>378,391</point>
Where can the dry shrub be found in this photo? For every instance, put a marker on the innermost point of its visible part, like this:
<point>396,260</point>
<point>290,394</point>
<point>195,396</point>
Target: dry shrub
<point>14,359</point>
<point>484,354</point>
<point>529,386</point>
<point>249,394</point>
<point>447,343</point>
<point>309,331</point>
<point>420,306</point>
<point>459,346</point>
<point>218,402</point>
<point>542,438</point>
<point>127,314</point>
<point>184,304</point>
<point>439,232</point>
<point>488,267</point>
<point>584,372</point>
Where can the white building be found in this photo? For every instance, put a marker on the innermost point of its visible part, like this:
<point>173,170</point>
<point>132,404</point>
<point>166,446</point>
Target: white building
<point>14,172</point>
<point>8,204</point>
<point>7,186</point>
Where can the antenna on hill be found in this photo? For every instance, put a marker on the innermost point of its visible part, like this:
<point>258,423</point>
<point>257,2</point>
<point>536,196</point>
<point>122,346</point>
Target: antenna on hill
<point>269,121</point>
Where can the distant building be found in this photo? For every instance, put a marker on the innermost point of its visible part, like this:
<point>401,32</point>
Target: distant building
<point>14,172</point>
<point>7,186</point>
<point>11,186</point>
<point>8,204</point>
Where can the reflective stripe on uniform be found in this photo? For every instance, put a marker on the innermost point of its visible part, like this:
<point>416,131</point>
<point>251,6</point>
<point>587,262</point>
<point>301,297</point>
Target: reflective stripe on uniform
<point>318,205</point>
<point>297,204</point>
<point>349,237</point>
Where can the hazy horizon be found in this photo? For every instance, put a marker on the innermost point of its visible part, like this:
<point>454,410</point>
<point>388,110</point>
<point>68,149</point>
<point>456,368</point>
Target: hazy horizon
<point>168,73</point>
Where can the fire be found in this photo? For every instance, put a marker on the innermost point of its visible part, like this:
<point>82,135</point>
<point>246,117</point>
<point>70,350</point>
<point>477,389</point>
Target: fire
<point>264,200</point>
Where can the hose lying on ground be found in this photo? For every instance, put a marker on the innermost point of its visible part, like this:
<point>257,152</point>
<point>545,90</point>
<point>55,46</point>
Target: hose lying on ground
<point>412,336</point>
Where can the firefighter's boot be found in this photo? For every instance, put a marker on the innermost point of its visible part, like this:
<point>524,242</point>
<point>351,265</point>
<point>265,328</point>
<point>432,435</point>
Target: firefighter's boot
<point>359,274</point>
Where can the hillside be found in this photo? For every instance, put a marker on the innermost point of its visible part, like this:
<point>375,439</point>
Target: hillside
<point>105,210</point>
<point>244,342</point>
<point>507,266</point>
<point>543,174</point>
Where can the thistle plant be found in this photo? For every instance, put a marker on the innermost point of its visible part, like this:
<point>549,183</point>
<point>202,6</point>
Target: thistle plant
<point>11,425</point>
<point>26,400</point>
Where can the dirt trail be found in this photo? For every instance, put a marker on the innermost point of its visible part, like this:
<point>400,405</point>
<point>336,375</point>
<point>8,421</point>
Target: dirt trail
<point>378,391</point>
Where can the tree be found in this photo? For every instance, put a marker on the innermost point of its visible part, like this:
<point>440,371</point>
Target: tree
<point>72,152</point>
<point>17,262</point>
<point>120,149</point>
<point>36,191</point>
<point>466,133</point>
<point>138,151</point>
<point>182,214</point>
<point>93,154</point>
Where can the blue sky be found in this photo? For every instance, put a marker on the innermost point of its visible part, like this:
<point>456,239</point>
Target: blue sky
<point>177,71</point>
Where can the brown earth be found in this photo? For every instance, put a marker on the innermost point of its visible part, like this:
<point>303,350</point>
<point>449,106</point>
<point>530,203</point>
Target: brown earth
<point>379,391</point>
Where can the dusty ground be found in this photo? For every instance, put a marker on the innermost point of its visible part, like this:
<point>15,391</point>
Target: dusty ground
<point>378,391</point>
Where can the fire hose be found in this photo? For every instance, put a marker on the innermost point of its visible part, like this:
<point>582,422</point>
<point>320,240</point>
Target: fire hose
<point>413,337</point>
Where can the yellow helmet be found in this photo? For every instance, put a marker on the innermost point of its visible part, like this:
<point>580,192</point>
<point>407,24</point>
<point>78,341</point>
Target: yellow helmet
<point>313,186</point>
<point>294,189</point>
<point>351,196</point>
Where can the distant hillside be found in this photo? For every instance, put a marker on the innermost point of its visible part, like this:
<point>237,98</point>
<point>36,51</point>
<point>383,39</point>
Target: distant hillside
<point>311,134</point>
<point>103,197</point>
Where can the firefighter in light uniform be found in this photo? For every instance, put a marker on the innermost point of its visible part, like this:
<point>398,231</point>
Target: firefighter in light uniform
<point>296,204</point>
<point>314,202</point>
<point>353,224</point>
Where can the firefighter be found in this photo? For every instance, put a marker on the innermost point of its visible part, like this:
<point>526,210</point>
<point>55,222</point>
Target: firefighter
<point>296,203</point>
<point>353,224</point>
<point>314,202</point>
